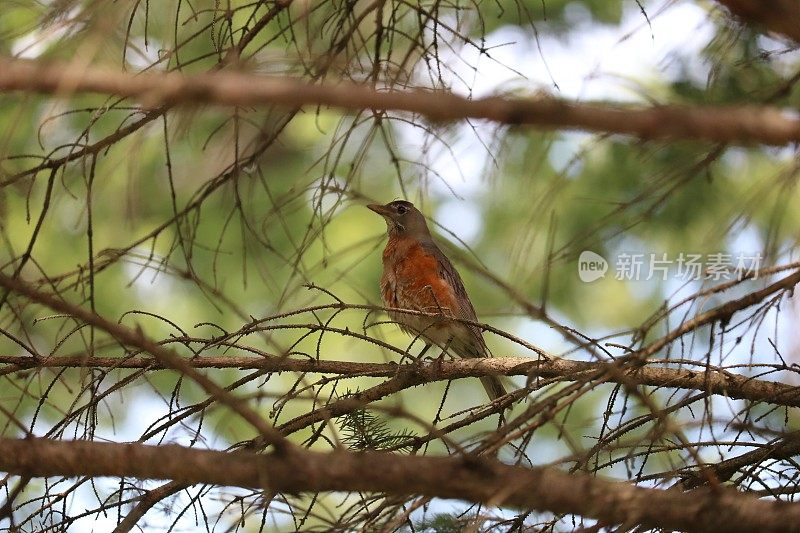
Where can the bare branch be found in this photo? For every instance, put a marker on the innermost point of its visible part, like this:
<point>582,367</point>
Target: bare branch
<point>167,357</point>
<point>724,312</point>
<point>742,124</point>
<point>713,380</point>
<point>469,478</point>
<point>783,448</point>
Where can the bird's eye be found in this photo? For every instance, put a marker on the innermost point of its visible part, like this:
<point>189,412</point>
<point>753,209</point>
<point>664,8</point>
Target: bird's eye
<point>402,209</point>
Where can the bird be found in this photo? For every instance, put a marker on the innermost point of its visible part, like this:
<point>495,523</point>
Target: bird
<point>418,276</point>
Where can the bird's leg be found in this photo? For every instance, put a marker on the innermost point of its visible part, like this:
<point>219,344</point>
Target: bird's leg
<point>424,349</point>
<point>418,357</point>
<point>417,361</point>
<point>407,355</point>
<point>445,350</point>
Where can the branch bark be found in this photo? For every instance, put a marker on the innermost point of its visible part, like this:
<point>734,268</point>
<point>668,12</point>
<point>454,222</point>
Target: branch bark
<point>723,313</point>
<point>468,478</point>
<point>782,448</point>
<point>166,357</point>
<point>742,124</point>
<point>713,380</point>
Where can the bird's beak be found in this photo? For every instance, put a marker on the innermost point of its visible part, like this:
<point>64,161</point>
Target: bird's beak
<point>382,210</point>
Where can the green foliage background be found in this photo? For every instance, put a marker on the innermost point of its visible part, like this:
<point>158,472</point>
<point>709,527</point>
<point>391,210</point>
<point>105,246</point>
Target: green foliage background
<point>295,216</point>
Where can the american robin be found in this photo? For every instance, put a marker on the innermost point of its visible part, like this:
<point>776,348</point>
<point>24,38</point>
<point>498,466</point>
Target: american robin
<point>418,276</point>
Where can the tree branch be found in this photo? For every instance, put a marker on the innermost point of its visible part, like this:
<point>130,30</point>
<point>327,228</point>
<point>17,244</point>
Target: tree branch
<point>166,357</point>
<point>470,478</point>
<point>743,124</point>
<point>713,380</point>
<point>783,448</point>
<point>724,312</point>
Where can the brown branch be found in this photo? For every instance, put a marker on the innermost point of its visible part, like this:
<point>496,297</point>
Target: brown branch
<point>231,56</point>
<point>723,312</point>
<point>146,502</point>
<point>780,16</point>
<point>89,149</point>
<point>783,448</point>
<point>468,478</point>
<point>713,380</point>
<point>165,356</point>
<point>726,124</point>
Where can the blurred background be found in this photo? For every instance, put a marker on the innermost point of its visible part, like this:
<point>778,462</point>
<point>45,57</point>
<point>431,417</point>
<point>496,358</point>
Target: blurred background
<point>191,222</point>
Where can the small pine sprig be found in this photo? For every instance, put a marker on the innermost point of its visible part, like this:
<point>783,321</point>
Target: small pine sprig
<point>365,430</point>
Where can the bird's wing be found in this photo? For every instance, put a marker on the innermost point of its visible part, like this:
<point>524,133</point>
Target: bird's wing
<point>464,309</point>
<point>449,273</point>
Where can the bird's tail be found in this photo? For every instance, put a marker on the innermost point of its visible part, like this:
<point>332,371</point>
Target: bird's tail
<point>473,348</point>
<point>493,387</point>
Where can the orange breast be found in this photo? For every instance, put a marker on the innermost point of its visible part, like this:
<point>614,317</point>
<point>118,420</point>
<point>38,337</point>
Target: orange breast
<point>411,279</point>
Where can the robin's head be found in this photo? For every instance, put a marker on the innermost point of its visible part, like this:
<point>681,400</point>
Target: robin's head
<point>402,219</point>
